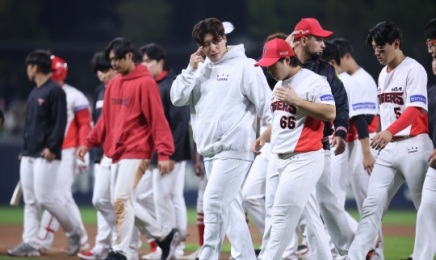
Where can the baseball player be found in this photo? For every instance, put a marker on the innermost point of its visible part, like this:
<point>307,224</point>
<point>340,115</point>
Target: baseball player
<point>131,126</point>
<point>301,101</point>
<point>78,127</point>
<point>168,188</point>
<point>403,142</point>
<point>308,41</point>
<point>261,183</point>
<point>364,122</point>
<point>424,247</point>
<point>101,198</point>
<point>46,120</point>
<point>224,92</point>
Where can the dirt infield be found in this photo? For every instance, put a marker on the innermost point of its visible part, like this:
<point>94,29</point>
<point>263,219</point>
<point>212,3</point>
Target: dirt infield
<point>10,236</point>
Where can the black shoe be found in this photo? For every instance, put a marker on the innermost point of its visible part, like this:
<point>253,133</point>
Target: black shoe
<point>115,256</point>
<point>257,252</point>
<point>302,249</point>
<point>169,244</point>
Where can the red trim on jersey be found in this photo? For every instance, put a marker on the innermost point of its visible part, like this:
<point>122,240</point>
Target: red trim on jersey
<point>352,134</point>
<point>79,128</point>
<point>161,76</point>
<point>310,138</point>
<point>408,117</point>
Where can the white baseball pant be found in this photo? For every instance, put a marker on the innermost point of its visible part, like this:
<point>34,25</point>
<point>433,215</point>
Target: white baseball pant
<point>426,221</point>
<point>38,180</point>
<point>101,199</point>
<point>399,161</point>
<point>253,189</point>
<point>359,180</point>
<point>223,213</point>
<point>168,197</point>
<point>332,213</point>
<point>295,205</point>
<point>64,182</point>
<point>128,213</point>
<point>272,182</point>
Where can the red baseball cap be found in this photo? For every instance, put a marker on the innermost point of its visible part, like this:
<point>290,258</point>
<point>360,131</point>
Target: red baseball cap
<point>311,26</point>
<point>273,51</point>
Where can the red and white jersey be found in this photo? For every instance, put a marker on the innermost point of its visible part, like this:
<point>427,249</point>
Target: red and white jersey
<point>293,131</point>
<point>400,88</point>
<point>361,101</point>
<point>78,114</point>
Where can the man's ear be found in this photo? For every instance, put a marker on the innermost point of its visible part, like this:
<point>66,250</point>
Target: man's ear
<point>161,63</point>
<point>397,44</point>
<point>129,56</point>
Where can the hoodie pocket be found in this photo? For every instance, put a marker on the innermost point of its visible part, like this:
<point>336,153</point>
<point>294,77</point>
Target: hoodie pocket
<point>206,133</point>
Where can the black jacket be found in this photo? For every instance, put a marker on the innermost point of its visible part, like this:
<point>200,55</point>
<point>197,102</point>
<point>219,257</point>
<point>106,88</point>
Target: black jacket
<point>98,106</point>
<point>178,119</point>
<point>46,120</point>
<point>341,122</point>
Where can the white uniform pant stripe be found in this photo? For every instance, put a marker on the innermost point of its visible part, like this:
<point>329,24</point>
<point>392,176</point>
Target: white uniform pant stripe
<point>223,213</point>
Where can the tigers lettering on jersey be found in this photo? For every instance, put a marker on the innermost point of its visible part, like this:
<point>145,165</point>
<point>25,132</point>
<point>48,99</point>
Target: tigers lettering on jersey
<point>391,97</point>
<point>282,106</point>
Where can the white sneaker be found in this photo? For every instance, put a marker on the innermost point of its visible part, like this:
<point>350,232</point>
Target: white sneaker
<point>153,255</point>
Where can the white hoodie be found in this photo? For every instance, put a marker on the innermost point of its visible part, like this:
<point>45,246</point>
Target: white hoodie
<point>224,98</point>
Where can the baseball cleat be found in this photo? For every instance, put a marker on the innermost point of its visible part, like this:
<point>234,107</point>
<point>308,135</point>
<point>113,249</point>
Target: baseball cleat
<point>115,256</point>
<point>169,244</point>
<point>156,254</point>
<point>89,255</point>
<point>24,249</point>
<point>73,244</point>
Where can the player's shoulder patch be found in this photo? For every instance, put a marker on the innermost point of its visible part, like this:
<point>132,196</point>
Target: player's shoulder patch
<point>418,98</point>
<point>326,97</point>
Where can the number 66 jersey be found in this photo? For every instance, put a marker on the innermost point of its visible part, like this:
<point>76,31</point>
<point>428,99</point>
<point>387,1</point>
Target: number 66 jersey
<point>293,131</point>
<point>405,86</point>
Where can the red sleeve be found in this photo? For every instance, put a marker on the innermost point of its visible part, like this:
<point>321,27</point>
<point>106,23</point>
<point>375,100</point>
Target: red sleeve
<point>407,118</point>
<point>83,120</point>
<point>152,108</point>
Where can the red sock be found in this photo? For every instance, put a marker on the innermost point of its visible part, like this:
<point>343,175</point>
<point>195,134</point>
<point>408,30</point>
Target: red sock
<point>200,226</point>
<point>153,246</point>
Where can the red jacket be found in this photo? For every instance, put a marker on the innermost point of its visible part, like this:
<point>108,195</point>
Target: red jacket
<point>133,123</point>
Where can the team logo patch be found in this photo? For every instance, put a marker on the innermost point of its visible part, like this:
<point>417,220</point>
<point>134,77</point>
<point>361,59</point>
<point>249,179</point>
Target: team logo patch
<point>364,105</point>
<point>418,98</point>
<point>327,97</point>
<point>264,50</point>
<point>40,101</point>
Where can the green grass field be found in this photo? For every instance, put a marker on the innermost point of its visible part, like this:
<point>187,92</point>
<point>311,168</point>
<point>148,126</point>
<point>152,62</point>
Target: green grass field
<point>396,247</point>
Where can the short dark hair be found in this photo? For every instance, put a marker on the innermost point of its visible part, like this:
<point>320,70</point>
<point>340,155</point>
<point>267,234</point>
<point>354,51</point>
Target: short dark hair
<point>343,46</point>
<point>100,63</point>
<point>209,25</point>
<point>294,61</point>
<point>121,47</point>
<point>40,58</point>
<point>384,32</point>
<point>278,35</point>
<point>331,52</point>
<point>153,51</point>
<point>430,30</point>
